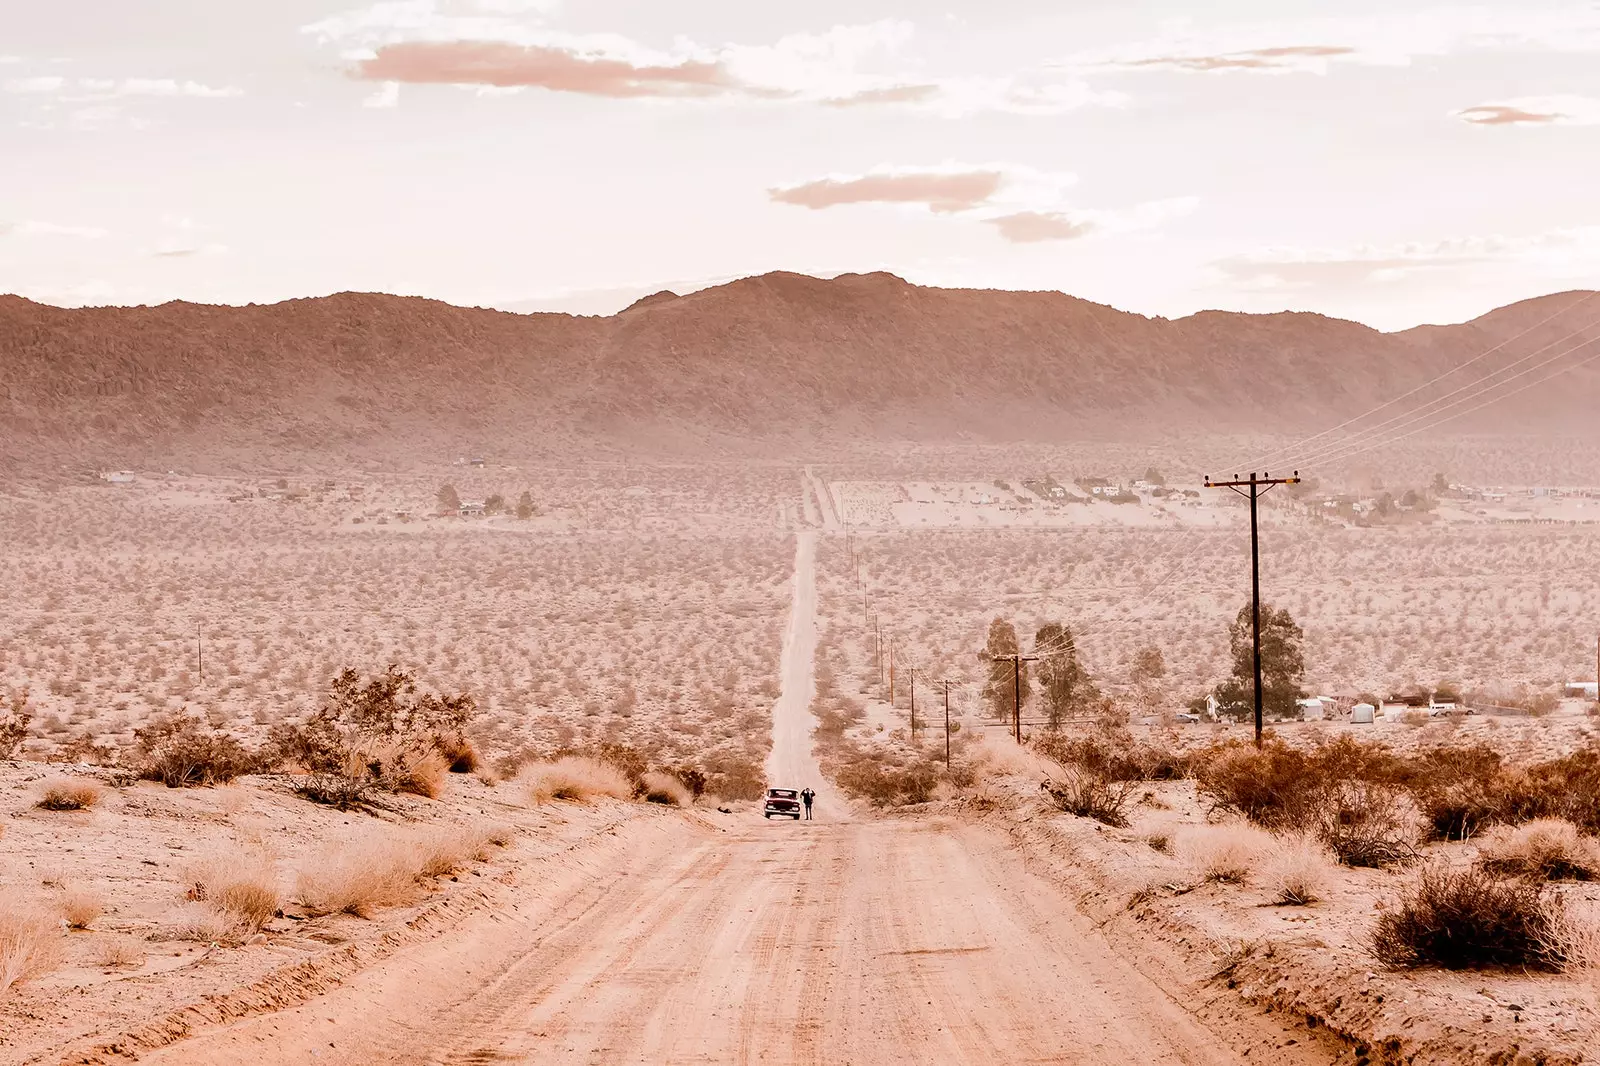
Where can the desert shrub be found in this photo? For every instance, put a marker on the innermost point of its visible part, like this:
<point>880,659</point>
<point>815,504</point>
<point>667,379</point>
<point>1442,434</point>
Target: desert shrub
<point>241,886</point>
<point>1548,849</point>
<point>1090,793</point>
<point>885,781</point>
<point>1227,853</point>
<point>378,736</point>
<point>69,794</point>
<point>185,752</point>
<point>693,779</point>
<point>1566,787</point>
<point>574,777</point>
<point>666,789</point>
<point>30,944</point>
<point>1466,919</point>
<point>444,849</point>
<point>1296,870</point>
<point>734,777</point>
<point>361,876</point>
<point>80,907</point>
<point>1367,824</point>
<point>460,754</point>
<point>14,723</point>
<point>1455,788</point>
<point>1271,786</point>
<point>1113,755</point>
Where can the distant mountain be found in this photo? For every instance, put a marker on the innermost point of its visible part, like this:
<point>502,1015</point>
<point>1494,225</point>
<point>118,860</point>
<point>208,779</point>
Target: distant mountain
<point>769,363</point>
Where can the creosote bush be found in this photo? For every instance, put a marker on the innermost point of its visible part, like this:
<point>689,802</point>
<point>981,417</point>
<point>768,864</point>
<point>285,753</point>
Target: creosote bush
<point>576,778</point>
<point>1090,793</point>
<point>1297,870</point>
<point>14,723</point>
<point>1228,853</point>
<point>1467,919</point>
<point>183,752</point>
<point>378,736</point>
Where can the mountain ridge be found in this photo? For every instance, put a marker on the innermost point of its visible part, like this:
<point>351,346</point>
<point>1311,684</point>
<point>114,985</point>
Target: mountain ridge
<point>771,359</point>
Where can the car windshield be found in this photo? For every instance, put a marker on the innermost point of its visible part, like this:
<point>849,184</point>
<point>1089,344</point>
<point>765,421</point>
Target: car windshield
<point>781,793</point>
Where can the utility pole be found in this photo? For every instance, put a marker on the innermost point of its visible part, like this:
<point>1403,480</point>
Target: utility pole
<point>200,651</point>
<point>891,673</point>
<point>1016,662</point>
<point>947,725</point>
<point>911,676</point>
<point>878,629</point>
<point>1257,487</point>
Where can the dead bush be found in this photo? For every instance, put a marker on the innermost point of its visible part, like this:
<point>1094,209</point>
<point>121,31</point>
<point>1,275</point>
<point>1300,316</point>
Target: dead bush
<point>30,944</point>
<point>575,778</point>
<point>361,876</point>
<point>1548,849</point>
<point>1228,853</point>
<point>187,753</point>
<point>14,723</point>
<point>1466,919</point>
<point>70,794</point>
<point>1367,824</point>
<point>444,849</point>
<point>666,789</point>
<point>81,907</point>
<point>1090,793</point>
<point>874,777</point>
<point>242,885</point>
<point>1296,870</point>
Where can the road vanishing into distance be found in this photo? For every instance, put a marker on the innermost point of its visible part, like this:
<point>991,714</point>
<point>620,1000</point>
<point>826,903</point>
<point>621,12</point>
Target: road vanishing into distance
<point>847,941</point>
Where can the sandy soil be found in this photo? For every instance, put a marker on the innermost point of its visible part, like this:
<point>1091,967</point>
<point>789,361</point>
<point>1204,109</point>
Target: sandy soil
<point>859,942</point>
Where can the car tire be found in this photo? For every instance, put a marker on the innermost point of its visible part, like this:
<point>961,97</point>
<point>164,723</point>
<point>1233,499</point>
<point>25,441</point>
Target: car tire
<point>766,814</point>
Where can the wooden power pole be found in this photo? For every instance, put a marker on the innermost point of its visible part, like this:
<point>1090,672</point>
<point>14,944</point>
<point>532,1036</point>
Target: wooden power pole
<point>947,725</point>
<point>1016,662</point>
<point>1257,486</point>
<point>911,679</point>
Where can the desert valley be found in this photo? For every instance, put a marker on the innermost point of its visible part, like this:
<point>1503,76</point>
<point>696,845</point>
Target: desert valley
<point>388,699</point>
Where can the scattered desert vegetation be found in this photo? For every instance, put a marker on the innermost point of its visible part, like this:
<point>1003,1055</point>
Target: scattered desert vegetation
<point>69,794</point>
<point>29,944</point>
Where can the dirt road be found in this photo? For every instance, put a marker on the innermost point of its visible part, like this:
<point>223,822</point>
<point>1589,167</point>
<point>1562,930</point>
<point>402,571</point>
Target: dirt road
<point>847,940</point>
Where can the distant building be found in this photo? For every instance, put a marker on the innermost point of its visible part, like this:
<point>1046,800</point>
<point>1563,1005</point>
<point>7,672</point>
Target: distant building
<point>1582,690</point>
<point>471,509</point>
<point>119,477</point>
<point>475,462</point>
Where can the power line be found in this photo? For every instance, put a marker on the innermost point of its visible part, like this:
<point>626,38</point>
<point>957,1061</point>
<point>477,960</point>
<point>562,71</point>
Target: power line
<point>1272,456</point>
<point>1421,413</point>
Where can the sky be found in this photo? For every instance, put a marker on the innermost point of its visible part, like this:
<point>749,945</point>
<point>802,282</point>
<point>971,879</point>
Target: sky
<point>1394,163</point>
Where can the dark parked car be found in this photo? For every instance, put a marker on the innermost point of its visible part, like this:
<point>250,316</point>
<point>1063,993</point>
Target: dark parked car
<point>782,801</point>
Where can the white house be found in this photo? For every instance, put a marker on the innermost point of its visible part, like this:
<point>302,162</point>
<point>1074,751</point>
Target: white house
<point>118,477</point>
<point>1582,690</point>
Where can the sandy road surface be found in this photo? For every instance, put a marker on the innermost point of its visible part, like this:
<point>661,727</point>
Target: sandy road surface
<point>791,763</point>
<point>863,942</point>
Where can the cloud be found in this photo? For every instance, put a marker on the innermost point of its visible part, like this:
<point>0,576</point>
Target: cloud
<point>1557,250</point>
<point>503,65</point>
<point>942,192</point>
<point>1282,58</point>
<point>1314,45</point>
<point>1535,111</point>
<point>49,229</point>
<point>1028,227</point>
<point>105,88</point>
<point>482,45</point>
<point>387,95</point>
<point>1024,205</point>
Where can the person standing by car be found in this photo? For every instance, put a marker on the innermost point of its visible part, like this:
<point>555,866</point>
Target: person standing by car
<point>806,797</point>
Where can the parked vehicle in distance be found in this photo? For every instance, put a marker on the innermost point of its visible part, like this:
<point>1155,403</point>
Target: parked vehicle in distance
<point>1185,716</point>
<point>782,801</point>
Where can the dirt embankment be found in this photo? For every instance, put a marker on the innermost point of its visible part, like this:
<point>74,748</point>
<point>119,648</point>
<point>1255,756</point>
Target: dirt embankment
<point>1309,964</point>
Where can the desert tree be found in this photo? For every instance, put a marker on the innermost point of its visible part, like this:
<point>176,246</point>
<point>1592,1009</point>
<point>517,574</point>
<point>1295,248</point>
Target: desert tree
<point>449,500</point>
<point>1283,664</point>
<point>525,505</point>
<point>495,504</point>
<point>1149,665</point>
<point>1063,684</point>
<point>1000,690</point>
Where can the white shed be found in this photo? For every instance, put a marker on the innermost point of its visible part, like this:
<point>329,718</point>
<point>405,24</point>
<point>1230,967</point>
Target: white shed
<point>1312,710</point>
<point>1362,713</point>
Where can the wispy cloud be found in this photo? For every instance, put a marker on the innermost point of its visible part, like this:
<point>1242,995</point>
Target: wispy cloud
<point>478,46</point>
<point>1314,45</point>
<point>107,88</point>
<point>1024,205</point>
<point>1534,111</point>
<point>942,191</point>
<point>49,229</point>
<point>1556,251</point>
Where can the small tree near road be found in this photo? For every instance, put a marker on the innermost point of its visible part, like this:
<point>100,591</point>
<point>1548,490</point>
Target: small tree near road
<point>525,506</point>
<point>448,499</point>
<point>1063,684</point>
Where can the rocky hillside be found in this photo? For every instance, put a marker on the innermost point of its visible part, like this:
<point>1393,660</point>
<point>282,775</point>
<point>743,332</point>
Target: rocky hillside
<point>769,363</point>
